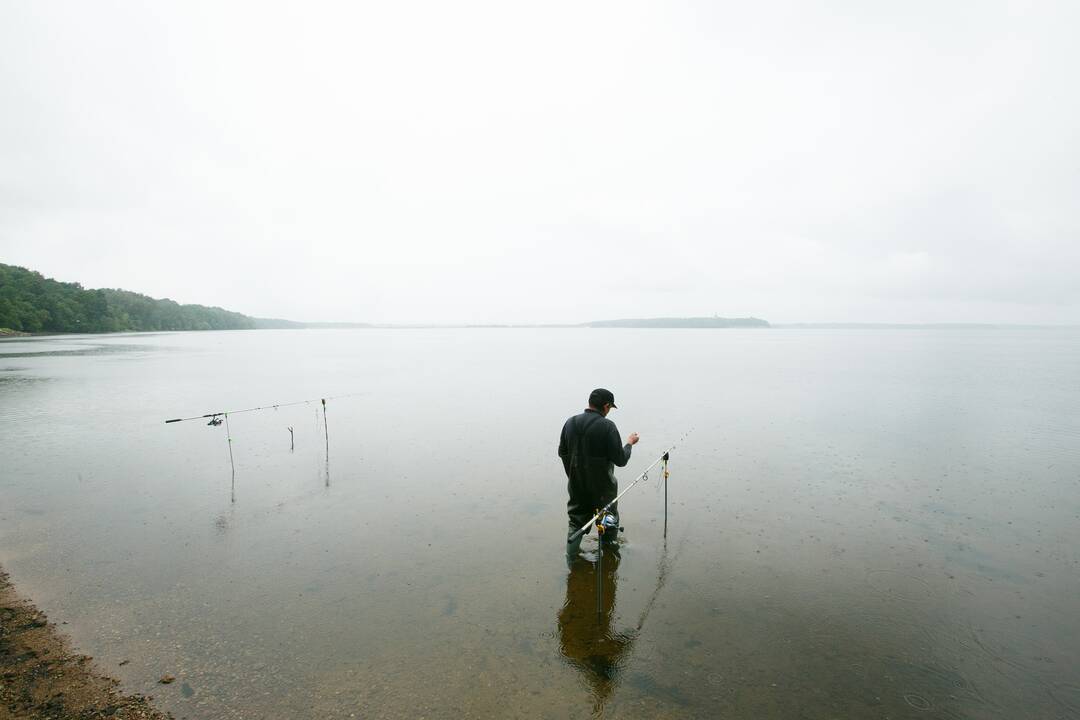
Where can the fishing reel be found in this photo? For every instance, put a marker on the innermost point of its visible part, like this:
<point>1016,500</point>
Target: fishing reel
<point>607,523</point>
<point>215,421</point>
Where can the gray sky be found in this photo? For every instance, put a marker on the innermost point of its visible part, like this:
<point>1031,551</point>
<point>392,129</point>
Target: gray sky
<point>550,161</point>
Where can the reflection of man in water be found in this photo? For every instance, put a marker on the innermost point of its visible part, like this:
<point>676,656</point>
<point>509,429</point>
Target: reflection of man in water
<point>590,448</point>
<point>586,641</point>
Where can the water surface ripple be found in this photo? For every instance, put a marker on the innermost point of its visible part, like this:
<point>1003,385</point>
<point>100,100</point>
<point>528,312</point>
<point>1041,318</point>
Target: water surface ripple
<point>872,523</point>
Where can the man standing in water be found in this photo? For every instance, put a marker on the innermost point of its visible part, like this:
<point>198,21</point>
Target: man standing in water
<point>590,448</point>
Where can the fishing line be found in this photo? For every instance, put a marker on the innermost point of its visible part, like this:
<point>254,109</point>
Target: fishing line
<point>214,415</point>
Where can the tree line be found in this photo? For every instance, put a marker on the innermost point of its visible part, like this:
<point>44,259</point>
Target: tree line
<point>30,302</point>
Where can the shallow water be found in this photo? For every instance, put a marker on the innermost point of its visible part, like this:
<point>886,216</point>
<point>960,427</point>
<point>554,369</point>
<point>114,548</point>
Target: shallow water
<point>864,523</point>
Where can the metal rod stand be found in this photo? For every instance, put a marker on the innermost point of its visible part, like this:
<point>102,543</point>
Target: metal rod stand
<point>599,571</point>
<point>665,494</point>
<point>232,463</point>
<point>326,432</point>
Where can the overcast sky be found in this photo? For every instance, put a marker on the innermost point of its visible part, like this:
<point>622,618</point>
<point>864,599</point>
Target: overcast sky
<point>550,161</point>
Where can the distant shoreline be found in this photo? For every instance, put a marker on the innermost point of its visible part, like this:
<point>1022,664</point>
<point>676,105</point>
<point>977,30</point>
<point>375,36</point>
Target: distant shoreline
<point>921,326</point>
<point>15,335</point>
<point>6,334</point>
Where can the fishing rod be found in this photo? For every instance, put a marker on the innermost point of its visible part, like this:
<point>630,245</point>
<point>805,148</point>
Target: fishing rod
<point>664,457</point>
<point>217,418</point>
<point>215,415</point>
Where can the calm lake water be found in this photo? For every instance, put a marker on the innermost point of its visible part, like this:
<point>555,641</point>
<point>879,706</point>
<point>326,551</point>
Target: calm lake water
<point>864,523</point>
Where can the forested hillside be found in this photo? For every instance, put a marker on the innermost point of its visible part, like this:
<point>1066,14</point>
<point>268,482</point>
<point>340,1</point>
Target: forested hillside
<point>30,302</point>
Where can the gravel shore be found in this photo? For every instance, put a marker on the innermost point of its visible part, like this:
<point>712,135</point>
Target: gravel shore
<point>42,677</point>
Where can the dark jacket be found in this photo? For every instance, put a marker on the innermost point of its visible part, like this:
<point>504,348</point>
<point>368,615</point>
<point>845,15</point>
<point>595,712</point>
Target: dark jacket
<point>590,448</point>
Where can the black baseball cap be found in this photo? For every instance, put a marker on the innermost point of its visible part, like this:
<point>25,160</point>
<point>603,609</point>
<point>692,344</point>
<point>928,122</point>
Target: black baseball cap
<point>600,396</point>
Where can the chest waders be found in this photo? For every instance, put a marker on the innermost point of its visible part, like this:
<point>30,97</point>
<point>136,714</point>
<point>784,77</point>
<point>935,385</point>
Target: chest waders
<point>579,489</point>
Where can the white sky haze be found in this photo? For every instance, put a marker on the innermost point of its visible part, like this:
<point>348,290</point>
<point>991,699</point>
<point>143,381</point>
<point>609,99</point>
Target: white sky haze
<point>500,162</point>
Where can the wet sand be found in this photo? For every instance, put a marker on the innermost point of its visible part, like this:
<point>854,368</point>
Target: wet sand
<point>42,677</point>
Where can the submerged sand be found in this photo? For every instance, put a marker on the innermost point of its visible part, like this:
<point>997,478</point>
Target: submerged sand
<point>42,677</point>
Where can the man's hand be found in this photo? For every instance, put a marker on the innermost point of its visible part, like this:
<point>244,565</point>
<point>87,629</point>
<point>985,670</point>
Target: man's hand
<point>632,440</point>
